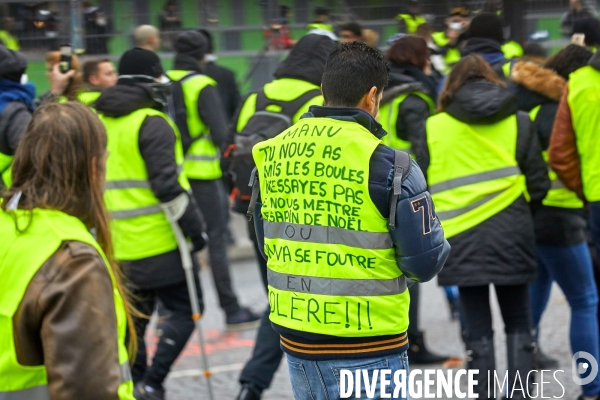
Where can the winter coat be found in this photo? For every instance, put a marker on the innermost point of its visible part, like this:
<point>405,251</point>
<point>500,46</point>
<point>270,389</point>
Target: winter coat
<point>156,145</point>
<point>413,111</point>
<point>500,250</point>
<point>537,86</point>
<point>228,90</point>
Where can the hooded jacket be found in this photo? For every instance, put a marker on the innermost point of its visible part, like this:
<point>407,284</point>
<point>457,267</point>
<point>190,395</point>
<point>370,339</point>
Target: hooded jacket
<point>537,86</point>
<point>500,250</point>
<point>16,101</point>
<point>563,153</point>
<point>413,111</point>
<point>488,49</point>
<point>156,143</point>
<point>307,59</point>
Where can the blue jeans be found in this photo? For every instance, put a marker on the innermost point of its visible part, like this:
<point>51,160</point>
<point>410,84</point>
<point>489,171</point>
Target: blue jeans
<point>320,380</point>
<point>571,268</point>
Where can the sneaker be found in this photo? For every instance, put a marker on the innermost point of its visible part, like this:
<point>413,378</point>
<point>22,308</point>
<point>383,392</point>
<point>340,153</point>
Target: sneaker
<point>242,319</point>
<point>142,391</point>
<point>248,392</point>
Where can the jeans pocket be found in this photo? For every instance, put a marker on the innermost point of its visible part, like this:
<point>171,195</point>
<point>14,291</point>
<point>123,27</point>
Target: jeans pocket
<point>364,365</point>
<point>299,381</point>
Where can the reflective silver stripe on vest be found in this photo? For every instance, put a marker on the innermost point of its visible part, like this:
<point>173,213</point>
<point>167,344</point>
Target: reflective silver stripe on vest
<point>127,184</point>
<point>475,178</point>
<point>136,212</point>
<point>191,157</point>
<point>327,235</point>
<point>125,372</point>
<point>34,393</point>
<point>336,286</point>
<point>456,213</point>
<point>557,184</point>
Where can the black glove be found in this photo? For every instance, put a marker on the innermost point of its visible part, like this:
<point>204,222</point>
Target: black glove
<point>192,225</point>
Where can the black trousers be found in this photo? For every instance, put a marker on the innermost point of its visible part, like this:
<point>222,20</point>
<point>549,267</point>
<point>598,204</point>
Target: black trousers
<point>514,306</point>
<point>175,327</point>
<point>267,353</point>
<point>209,196</point>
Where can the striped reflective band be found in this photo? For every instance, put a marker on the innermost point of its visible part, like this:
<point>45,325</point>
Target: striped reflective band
<point>557,184</point>
<point>136,212</point>
<point>327,235</point>
<point>191,157</point>
<point>456,213</point>
<point>475,178</point>
<point>125,372</point>
<point>34,393</point>
<point>336,286</point>
<point>127,184</point>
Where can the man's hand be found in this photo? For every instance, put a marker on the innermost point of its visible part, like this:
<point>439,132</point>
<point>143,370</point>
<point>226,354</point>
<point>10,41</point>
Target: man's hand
<point>58,80</point>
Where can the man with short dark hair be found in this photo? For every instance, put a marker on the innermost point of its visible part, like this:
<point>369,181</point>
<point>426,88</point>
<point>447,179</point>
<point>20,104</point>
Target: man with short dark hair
<point>344,221</point>
<point>98,75</point>
<point>351,32</point>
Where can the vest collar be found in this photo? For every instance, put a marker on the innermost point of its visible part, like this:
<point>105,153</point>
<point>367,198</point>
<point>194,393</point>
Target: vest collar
<point>356,115</point>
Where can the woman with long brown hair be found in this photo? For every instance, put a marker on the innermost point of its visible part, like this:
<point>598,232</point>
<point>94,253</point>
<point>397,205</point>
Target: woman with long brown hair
<point>486,176</point>
<point>63,312</point>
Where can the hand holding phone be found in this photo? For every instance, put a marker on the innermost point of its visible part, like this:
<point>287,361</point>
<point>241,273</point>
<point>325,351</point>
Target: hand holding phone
<point>578,39</point>
<point>66,55</point>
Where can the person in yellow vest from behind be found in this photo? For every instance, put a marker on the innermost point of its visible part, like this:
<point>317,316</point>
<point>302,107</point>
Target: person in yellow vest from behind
<point>483,163</point>
<point>11,42</point>
<point>203,126</point>
<point>321,20</point>
<point>409,21</point>
<point>98,74</point>
<point>340,244</point>
<point>560,224</point>
<point>63,312</point>
<point>574,142</point>
<point>143,176</point>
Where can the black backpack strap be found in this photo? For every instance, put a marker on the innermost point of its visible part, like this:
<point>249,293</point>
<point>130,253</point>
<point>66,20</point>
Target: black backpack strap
<point>289,108</point>
<point>255,192</point>
<point>402,164</point>
<point>180,110</point>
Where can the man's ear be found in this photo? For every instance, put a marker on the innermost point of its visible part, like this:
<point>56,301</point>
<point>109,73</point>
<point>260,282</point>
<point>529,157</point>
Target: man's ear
<point>93,80</point>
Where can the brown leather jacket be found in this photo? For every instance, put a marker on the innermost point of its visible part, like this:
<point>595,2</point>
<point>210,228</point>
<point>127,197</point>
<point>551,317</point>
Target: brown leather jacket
<point>66,321</point>
<point>563,154</point>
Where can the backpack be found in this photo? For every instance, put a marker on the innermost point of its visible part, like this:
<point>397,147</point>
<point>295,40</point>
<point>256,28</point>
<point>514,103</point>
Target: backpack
<point>261,126</point>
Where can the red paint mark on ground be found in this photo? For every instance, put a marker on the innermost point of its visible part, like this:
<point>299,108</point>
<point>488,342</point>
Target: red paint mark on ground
<point>214,341</point>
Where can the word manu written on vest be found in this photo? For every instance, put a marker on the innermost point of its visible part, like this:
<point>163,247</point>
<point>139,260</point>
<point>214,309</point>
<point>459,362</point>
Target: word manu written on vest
<point>299,186</point>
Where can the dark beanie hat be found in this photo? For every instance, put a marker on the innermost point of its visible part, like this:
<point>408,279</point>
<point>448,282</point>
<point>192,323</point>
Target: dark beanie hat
<point>139,61</point>
<point>590,27</point>
<point>191,43</point>
<point>12,64</point>
<point>486,26</point>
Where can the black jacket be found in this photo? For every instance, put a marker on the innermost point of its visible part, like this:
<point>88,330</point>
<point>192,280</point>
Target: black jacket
<point>413,111</point>
<point>228,90</point>
<point>156,145</point>
<point>542,87</point>
<point>500,250</point>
